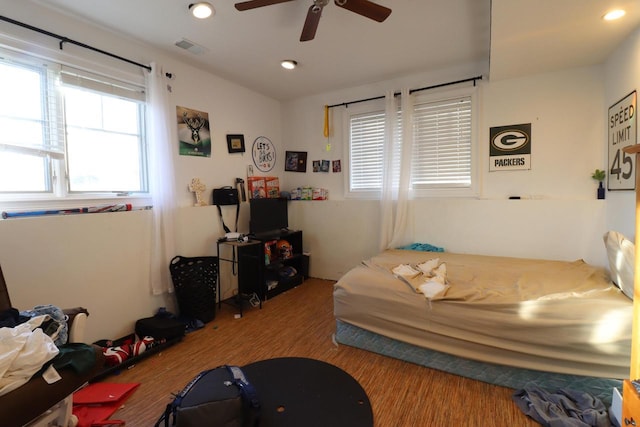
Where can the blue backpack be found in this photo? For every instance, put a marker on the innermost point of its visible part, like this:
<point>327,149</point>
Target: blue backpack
<point>216,397</point>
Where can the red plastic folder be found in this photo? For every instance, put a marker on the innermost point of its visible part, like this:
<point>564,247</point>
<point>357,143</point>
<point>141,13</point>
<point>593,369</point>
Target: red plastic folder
<point>95,403</point>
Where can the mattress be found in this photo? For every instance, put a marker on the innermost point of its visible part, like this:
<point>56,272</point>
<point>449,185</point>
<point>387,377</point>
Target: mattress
<point>553,316</point>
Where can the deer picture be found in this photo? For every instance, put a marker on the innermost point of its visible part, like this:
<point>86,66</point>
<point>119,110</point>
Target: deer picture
<point>194,124</point>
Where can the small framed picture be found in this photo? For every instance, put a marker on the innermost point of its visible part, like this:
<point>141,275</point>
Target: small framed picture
<point>235,143</point>
<point>296,161</point>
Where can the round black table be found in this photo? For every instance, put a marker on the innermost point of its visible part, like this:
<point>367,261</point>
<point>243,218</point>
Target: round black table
<point>296,391</point>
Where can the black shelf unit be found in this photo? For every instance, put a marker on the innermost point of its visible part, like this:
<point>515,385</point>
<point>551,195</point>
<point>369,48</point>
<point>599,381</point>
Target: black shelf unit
<point>262,275</point>
<point>271,272</point>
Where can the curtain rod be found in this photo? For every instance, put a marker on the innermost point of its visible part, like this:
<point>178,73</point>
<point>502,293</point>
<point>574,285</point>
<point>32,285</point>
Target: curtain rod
<point>64,39</point>
<point>346,104</point>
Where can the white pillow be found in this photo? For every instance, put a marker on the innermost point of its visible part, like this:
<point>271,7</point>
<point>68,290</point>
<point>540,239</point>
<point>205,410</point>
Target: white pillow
<point>621,255</point>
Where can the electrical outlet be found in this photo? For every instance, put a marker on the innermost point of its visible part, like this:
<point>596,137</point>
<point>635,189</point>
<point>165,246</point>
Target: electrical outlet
<point>249,170</point>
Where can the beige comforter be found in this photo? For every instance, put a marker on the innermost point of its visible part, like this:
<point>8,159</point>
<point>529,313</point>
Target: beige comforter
<point>555,316</point>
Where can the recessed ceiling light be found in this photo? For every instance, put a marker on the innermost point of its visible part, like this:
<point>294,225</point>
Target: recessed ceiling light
<point>614,14</point>
<point>289,64</point>
<point>201,10</point>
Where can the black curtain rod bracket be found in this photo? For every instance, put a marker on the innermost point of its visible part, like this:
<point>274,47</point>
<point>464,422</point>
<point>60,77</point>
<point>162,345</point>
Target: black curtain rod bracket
<point>64,40</point>
<point>346,104</point>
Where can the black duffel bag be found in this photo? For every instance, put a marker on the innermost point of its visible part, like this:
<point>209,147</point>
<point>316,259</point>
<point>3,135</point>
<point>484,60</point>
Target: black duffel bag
<point>225,196</point>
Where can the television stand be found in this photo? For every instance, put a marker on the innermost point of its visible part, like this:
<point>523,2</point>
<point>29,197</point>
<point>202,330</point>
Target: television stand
<point>282,269</point>
<point>247,258</point>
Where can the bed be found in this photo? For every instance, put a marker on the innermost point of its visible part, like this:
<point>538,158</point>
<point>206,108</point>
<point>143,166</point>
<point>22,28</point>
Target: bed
<point>566,320</point>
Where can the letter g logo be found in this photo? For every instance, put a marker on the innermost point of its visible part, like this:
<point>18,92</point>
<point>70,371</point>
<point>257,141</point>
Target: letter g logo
<point>510,140</point>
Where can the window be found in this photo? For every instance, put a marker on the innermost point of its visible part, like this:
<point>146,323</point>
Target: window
<point>442,161</point>
<point>366,150</point>
<point>442,144</point>
<point>68,133</point>
<point>27,148</point>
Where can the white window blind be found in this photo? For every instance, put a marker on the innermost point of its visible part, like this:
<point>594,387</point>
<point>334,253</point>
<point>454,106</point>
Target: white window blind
<point>442,144</point>
<point>32,132</point>
<point>366,151</point>
<point>100,84</point>
<point>442,147</point>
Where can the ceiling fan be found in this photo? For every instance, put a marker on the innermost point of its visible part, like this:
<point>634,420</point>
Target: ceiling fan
<point>365,8</point>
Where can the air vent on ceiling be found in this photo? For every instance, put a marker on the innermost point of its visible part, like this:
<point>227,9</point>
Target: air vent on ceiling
<point>190,46</point>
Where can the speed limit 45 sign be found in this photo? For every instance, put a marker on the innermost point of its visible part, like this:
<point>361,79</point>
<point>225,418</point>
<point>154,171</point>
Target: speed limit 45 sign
<point>621,126</point>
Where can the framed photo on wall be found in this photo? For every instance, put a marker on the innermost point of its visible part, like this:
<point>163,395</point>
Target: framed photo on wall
<point>235,143</point>
<point>295,161</point>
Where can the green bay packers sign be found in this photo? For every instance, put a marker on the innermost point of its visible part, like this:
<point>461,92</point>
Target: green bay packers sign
<point>510,147</point>
<point>621,125</point>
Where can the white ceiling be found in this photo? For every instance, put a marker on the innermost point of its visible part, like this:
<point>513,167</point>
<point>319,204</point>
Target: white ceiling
<point>517,37</point>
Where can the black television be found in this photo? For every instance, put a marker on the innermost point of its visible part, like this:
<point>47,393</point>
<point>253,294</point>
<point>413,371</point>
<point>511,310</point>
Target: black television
<point>268,216</point>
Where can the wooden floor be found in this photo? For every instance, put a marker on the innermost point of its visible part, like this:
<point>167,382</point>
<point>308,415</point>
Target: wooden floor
<point>300,323</point>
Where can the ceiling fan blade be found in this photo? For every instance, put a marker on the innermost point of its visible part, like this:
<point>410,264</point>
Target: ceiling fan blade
<point>252,4</point>
<point>311,23</point>
<point>365,8</point>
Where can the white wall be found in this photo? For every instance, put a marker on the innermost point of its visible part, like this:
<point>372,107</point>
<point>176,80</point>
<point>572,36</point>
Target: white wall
<point>562,221</point>
<point>567,126</point>
<point>101,261</point>
<point>622,76</point>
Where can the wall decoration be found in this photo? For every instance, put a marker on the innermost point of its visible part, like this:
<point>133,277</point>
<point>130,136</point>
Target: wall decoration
<point>194,133</point>
<point>622,126</point>
<point>235,143</point>
<point>264,153</point>
<point>296,161</point>
<point>510,147</point>
<point>324,165</point>
<point>337,166</point>
<point>316,165</point>
<point>198,188</point>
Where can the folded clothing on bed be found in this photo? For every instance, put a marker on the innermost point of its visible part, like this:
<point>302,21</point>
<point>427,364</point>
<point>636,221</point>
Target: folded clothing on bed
<point>428,278</point>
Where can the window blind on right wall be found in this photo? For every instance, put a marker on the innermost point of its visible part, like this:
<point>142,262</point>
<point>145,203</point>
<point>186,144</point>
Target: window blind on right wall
<point>367,148</point>
<point>442,144</point>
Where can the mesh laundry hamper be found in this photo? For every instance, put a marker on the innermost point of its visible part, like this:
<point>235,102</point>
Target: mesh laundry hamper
<point>194,280</point>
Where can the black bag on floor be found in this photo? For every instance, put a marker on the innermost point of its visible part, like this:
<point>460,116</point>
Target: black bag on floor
<point>160,328</point>
<point>220,397</point>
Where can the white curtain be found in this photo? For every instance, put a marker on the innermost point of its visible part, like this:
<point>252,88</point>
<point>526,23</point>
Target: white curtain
<point>161,181</point>
<point>389,175</point>
<point>396,173</point>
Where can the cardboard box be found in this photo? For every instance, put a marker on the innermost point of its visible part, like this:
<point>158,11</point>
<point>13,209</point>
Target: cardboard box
<point>272,184</point>
<point>257,187</point>
<point>306,194</point>
<point>320,194</point>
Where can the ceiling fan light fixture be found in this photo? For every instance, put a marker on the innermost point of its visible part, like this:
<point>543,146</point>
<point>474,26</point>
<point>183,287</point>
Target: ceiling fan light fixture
<point>289,64</point>
<point>201,10</point>
<point>613,15</point>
